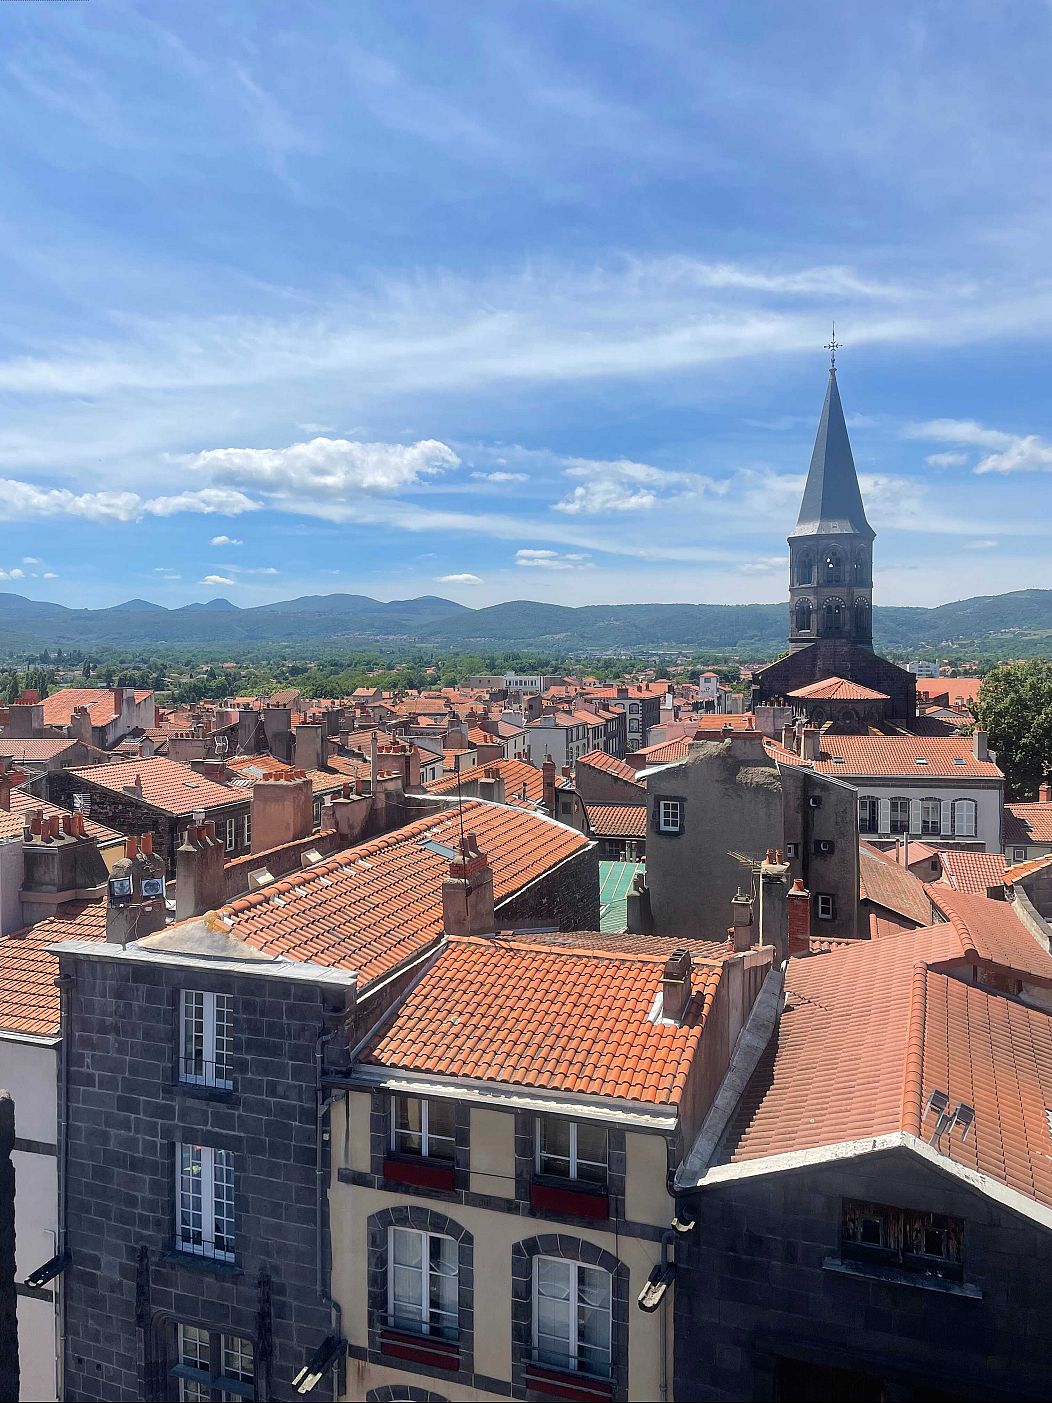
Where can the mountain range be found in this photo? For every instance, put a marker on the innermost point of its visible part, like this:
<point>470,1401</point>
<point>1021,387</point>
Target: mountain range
<point>1008,623</point>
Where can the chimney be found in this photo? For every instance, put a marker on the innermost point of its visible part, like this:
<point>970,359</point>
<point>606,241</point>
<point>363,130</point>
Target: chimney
<point>809,743</point>
<point>200,877</point>
<point>548,783</point>
<point>676,986</point>
<point>5,784</point>
<point>742,930</point>
<point>467,893</point>
<point>798,904</point>
<point>1044,793</point>
<point>491,786</point>
<point>132,912</point>
<point>135,788</point>
<point>282,809</point>
<point>980,751</point>
<point>774,872</point>
<point>639,916</point>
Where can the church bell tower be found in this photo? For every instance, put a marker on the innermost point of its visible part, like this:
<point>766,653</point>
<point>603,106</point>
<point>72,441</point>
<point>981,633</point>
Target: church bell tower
<point>831,546</point>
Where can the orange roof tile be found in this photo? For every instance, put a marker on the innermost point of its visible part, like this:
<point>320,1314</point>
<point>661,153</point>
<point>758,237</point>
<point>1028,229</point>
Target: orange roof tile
<point>960,691</point>
<point>29,1001</point>
<point>721,721</point>
<point>884,883</point>
<point>371,907</point>
<point>518,775</point>
<point>58,707</point>
<point>617,820</point>
<point>972,872</point>
<point>23,803</point>
<point>663,753</point>
<point>838,689</point>
<point>166,784</point>
<point>609,764</point>
<point>943,757</point>
<point>524,1014</point>
<point>1028,823</point>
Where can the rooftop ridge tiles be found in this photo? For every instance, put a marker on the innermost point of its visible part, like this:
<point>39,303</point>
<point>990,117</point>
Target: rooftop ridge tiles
<point>913,1078</point>
<point>504,942</point>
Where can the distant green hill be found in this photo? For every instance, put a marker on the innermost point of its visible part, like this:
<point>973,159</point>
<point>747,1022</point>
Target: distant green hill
<point>1007,624</point>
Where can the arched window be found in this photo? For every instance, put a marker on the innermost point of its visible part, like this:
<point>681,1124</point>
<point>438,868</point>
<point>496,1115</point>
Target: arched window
<point>900,816</point>
<point>931,816</point>
<point>832,568</point>
<point>964,816</point>
<point>868,820</point>
<point>804,616</point>
<point>861,617</point>
<point>805,569</point>
<point>420,1279</point>
<point>833,614</point>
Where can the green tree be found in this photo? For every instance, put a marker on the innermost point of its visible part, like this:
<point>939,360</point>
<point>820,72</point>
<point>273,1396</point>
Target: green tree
<point>1015,708</point>
<point>85,671</point>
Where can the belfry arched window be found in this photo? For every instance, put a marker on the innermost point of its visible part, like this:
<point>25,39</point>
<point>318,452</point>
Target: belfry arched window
<point>832,568</point>
<point>833,615</point>
<point>805,569</point>
<point>804,616</point>
<point>861,618</point>
<point>861,569</point>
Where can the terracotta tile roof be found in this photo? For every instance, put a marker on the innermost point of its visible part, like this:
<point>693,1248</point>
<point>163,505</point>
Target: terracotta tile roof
<point>58,707</point>
<point>884,883</point>
<point>29,1001</point>
<point>36,750</point>
<point>882,925</point>
<point>370,907</point>
<point>525,1014</point>
<point>617,820</point>
<point>23,803</point>
<point>990,933</point>
<point>1027,869</point>
<point>516,774</point>
<point>972,872</point>
<point>838,689</point>
<point>625,942</point>
<point>943,757</point>
<point>166,785</point>
<point>719,721</point>
<point>609,764</point>
<point>960,691</point>
<point>664,753</point>
<point>1028,823</point>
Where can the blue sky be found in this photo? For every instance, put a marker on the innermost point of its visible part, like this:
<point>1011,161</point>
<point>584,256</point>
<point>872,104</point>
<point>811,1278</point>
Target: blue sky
<point>524,299</point>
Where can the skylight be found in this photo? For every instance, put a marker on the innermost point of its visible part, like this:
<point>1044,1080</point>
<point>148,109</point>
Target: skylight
<point>958,760</point>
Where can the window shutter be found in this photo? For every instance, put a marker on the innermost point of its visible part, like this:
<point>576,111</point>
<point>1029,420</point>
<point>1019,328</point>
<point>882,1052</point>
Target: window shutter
<point>883,815</point>
<point>915,815</point>
<point>947,818</point>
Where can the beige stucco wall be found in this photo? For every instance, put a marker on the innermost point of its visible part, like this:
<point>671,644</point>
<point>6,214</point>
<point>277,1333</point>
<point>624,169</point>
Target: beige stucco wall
<point>28,1071</point>
<point>494,1235</point>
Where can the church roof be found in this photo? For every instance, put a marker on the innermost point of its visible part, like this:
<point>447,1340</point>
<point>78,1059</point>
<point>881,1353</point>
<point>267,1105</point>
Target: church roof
<point>832,503</point>
<point>837,689</point>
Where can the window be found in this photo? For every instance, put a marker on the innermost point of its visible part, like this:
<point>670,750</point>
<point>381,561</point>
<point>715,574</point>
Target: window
<point>805,569</point>
<point>422,1283</point>
<point>317,814</point>
<point>927,1244</point>
<point>964,818</point>
<point>1019,854</point>
<point>570,1149</point>
<point>230,842</point>
<point>931,816</point>
<point>833,615</point>
<point>204,1222</point>
<point>831,569</point>
<point>213,1366</point>
<point>422,1128</point>
<point>792,849</point>
<point>826,909</point>
<point>246,831</point>
<point>206,1039</point>
<point>571,1316</point>
<point>670,816</point>
<point>867,815</point>
<point>804,615</point>
<point>900,816</point>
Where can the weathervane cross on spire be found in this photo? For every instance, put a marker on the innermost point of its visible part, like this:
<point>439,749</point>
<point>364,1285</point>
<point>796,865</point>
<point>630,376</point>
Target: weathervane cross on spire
<point>832,347</point>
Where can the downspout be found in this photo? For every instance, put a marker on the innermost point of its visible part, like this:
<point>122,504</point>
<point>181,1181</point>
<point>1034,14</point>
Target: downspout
<point>324,1103</point>
<point>667,1239</point>
<point>64,982</point>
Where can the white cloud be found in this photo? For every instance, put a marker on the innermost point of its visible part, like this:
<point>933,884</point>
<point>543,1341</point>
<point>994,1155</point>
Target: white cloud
<point>981,545</point>
<point>25,499</point>
<point>500,477</point>
<point>30,560</point>
<point>768,565</point>
<point>331,467</point>
<point>947,460</point>
<point>217,580</point>
<point>605,496</point>
<point>552,560</point>
<point>225,541</point>
<point>49,575</point>
<point>1011,453</point>
<point>462,579</point>
<point>620,485</point>
<point>14,574</point>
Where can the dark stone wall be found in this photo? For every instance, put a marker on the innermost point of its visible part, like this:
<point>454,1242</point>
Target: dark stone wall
<point>567,897</point>
<point>126,1286</point>
<point>9,1374</point>
<point>832,658</point>
<point>127,815</point>
<point>752,1287</point>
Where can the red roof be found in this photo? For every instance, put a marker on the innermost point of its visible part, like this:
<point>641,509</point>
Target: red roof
<point>1027,869</point>
<point>518,776</point>
<point>166,784</point>
<point>895,1028</point>
<point>58,707</point>
<point>371,907</point>
<point>723,721</point>
<point>972,872</point>
<point>525,1014</point>
<point>943,757</point>
<point>663,753</point>
<point>884,883</point>
<point>838,689</point>
<point>609,764</point>
<point>617,820</point>
<point>29,1001</point>
<point>960,691</point>
<point>1028,823</point>
<point>23,803</point>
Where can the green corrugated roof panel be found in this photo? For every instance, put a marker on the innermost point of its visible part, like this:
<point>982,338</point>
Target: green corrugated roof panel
<point>615,882</point>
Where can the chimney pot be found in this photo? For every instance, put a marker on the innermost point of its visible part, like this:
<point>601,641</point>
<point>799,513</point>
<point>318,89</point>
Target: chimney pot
<point>676,986</point>
<point>798,903</point>
<point>131,847</point>
<point>1044,792</point>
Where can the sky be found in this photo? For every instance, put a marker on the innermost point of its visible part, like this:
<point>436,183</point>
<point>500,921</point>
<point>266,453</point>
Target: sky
<point>518,300</point>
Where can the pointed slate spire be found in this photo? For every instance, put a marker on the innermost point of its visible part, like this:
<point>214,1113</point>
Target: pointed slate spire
<point>832,503</point>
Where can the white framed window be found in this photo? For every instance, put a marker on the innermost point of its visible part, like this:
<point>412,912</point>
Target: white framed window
<point>572,1149</point>
<point>572,1327</point>
<point>1019,854</point>
<point>212,1365</point>
<point>423,1271</point>
<point>230,841</point>
<point>206,1038</point>
<point>423,1128</point>
<point>670,815</point>
<point>826,908</point>
<point>964,814</point>
<point>931,816</point>
<point>246,831</point>
<point>900,815</point>
<point>316,814</point>
<point>204,1215</point>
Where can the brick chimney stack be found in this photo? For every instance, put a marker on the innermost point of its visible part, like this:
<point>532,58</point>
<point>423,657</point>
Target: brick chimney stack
<point>774,873</point>
<point>809,743</point>
<point>676,986</point>
<point>798,906</point>
<point>1044,793</point>
<point>742,929</point>
<point>548,783</point>
<point>200,878</point>
<point>467,893</point>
